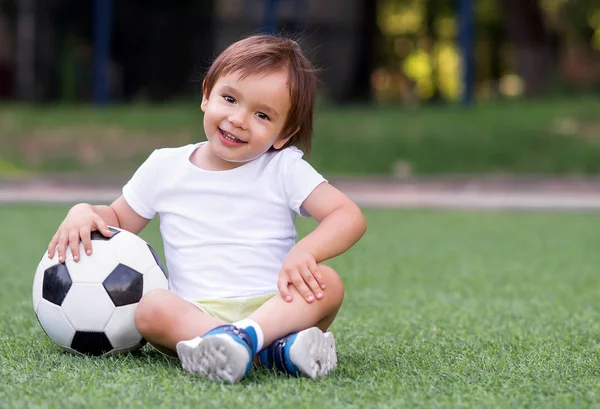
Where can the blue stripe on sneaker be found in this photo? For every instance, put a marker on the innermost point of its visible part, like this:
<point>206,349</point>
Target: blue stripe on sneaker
<point>253,338</point>
<point>277,355</point>
<point>265,358</point>
<point>291,368</point>
<point>238,333</point>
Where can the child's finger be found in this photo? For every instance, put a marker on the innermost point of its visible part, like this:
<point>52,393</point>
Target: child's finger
<point>102,226</point>
<point>62,244</point>
<point>282,285</point>
<point>52,245</point>
<point>86,239</point>
<point>312,283</point>
<point>74,244</point>
<point>314,269</point>
<point>302,288</point>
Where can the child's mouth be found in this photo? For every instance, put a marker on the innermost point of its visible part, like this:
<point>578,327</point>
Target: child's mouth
<point>229,138</point>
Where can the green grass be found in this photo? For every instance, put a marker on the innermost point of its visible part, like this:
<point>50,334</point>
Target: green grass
<point>443,310</point>
<point>552,136</point>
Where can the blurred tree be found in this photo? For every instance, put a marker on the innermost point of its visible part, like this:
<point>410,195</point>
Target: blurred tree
<point>578,23</point>
<point>535,46</point>
<point>576,19</point>
<point>432,10</point>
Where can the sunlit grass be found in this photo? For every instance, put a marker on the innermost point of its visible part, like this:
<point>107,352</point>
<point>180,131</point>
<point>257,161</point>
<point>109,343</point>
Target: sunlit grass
<point>443,309</point>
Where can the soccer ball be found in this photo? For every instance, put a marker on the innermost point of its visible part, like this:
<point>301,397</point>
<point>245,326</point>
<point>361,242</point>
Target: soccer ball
<point>88,307</point>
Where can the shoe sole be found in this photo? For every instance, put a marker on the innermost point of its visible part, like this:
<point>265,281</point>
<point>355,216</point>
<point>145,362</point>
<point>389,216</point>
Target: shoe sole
<point>218,358</point>
<point>313,352</point>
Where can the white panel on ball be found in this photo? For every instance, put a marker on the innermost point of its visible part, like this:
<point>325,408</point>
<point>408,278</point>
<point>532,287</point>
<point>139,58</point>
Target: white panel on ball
<point>55,323</point>
<point>46,262</point>
<point>88,307</point>
<point>94,268</point>
<point>38,282</point>
<point>155,278</point>
<point>120,330</point>
<point>132,251</point>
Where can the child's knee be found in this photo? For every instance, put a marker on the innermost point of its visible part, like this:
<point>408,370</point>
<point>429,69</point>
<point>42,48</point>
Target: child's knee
<point>334,286</point>
<point>149,310</point>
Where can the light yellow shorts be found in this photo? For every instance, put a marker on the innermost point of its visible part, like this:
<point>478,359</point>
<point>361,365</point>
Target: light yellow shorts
<point>227,309</point>
<point>232,309</point>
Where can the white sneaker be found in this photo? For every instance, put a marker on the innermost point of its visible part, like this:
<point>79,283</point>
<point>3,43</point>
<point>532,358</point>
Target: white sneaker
<point>310,353</point>
<point>221,354</point>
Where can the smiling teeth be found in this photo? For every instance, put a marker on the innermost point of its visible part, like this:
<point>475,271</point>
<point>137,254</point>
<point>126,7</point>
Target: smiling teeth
<point>230,137</point>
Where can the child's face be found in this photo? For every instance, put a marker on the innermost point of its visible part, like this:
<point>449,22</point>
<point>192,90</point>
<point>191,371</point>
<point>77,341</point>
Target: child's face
<point>243,118</point>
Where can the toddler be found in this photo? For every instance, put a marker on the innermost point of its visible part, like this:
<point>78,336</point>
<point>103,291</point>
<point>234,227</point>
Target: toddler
<point>240,288</point>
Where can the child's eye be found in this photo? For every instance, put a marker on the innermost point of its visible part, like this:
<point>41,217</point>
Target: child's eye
<point>229,99</point>
<point>262,115</point>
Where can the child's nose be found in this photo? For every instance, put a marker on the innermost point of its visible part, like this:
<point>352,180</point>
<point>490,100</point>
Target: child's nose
<point>238,119</point>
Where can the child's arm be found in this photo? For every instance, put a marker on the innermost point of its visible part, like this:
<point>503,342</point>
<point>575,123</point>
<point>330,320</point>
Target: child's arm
<point>341,224</point>
<point>84,218</point>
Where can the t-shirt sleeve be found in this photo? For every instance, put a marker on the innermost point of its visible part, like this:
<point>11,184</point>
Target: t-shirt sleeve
<point>300,179</point>
<point>140,190</point>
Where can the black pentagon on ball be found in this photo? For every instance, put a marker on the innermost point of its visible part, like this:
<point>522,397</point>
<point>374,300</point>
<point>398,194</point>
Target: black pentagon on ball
<point>157,259</point>
<point>56,285</point>
<point>124,285</point>
<point>91,343</point>
<point>96,235</point>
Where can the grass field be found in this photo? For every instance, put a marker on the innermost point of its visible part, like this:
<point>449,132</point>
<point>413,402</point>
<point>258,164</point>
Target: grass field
<point>443,310</point>
<point>525,137</point>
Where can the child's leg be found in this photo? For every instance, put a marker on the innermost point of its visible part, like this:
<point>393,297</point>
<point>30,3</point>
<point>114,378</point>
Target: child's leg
<point>296,341</point>
<point>164,319</point>
<point>277,317</point>
<point>226,352</point>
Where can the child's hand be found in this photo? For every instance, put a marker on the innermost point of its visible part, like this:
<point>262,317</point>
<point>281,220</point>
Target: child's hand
<point>79,223</point>
<point>300,269</point>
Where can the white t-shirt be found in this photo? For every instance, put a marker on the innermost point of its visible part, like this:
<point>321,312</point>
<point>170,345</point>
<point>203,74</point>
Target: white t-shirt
<point>225,233</point>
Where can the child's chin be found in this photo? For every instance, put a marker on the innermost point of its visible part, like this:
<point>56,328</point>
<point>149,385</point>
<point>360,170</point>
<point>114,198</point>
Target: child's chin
<point>236,159</point>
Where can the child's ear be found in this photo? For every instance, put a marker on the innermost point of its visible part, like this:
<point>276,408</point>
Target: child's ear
<point>279,143</point>
<point>204,98</point>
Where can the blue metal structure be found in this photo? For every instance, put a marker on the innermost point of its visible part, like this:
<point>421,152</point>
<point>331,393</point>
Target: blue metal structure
<point>270,23</point>
<point>270,18</point>
<point>102,37</point>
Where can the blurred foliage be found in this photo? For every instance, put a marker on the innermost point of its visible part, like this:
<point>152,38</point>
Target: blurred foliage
<point>420,57</point>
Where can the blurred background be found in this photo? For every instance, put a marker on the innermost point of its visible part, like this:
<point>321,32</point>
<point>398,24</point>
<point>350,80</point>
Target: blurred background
<point>408,87</point>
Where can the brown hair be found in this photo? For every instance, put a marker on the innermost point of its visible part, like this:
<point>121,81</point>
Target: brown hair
<point>270,53</point>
